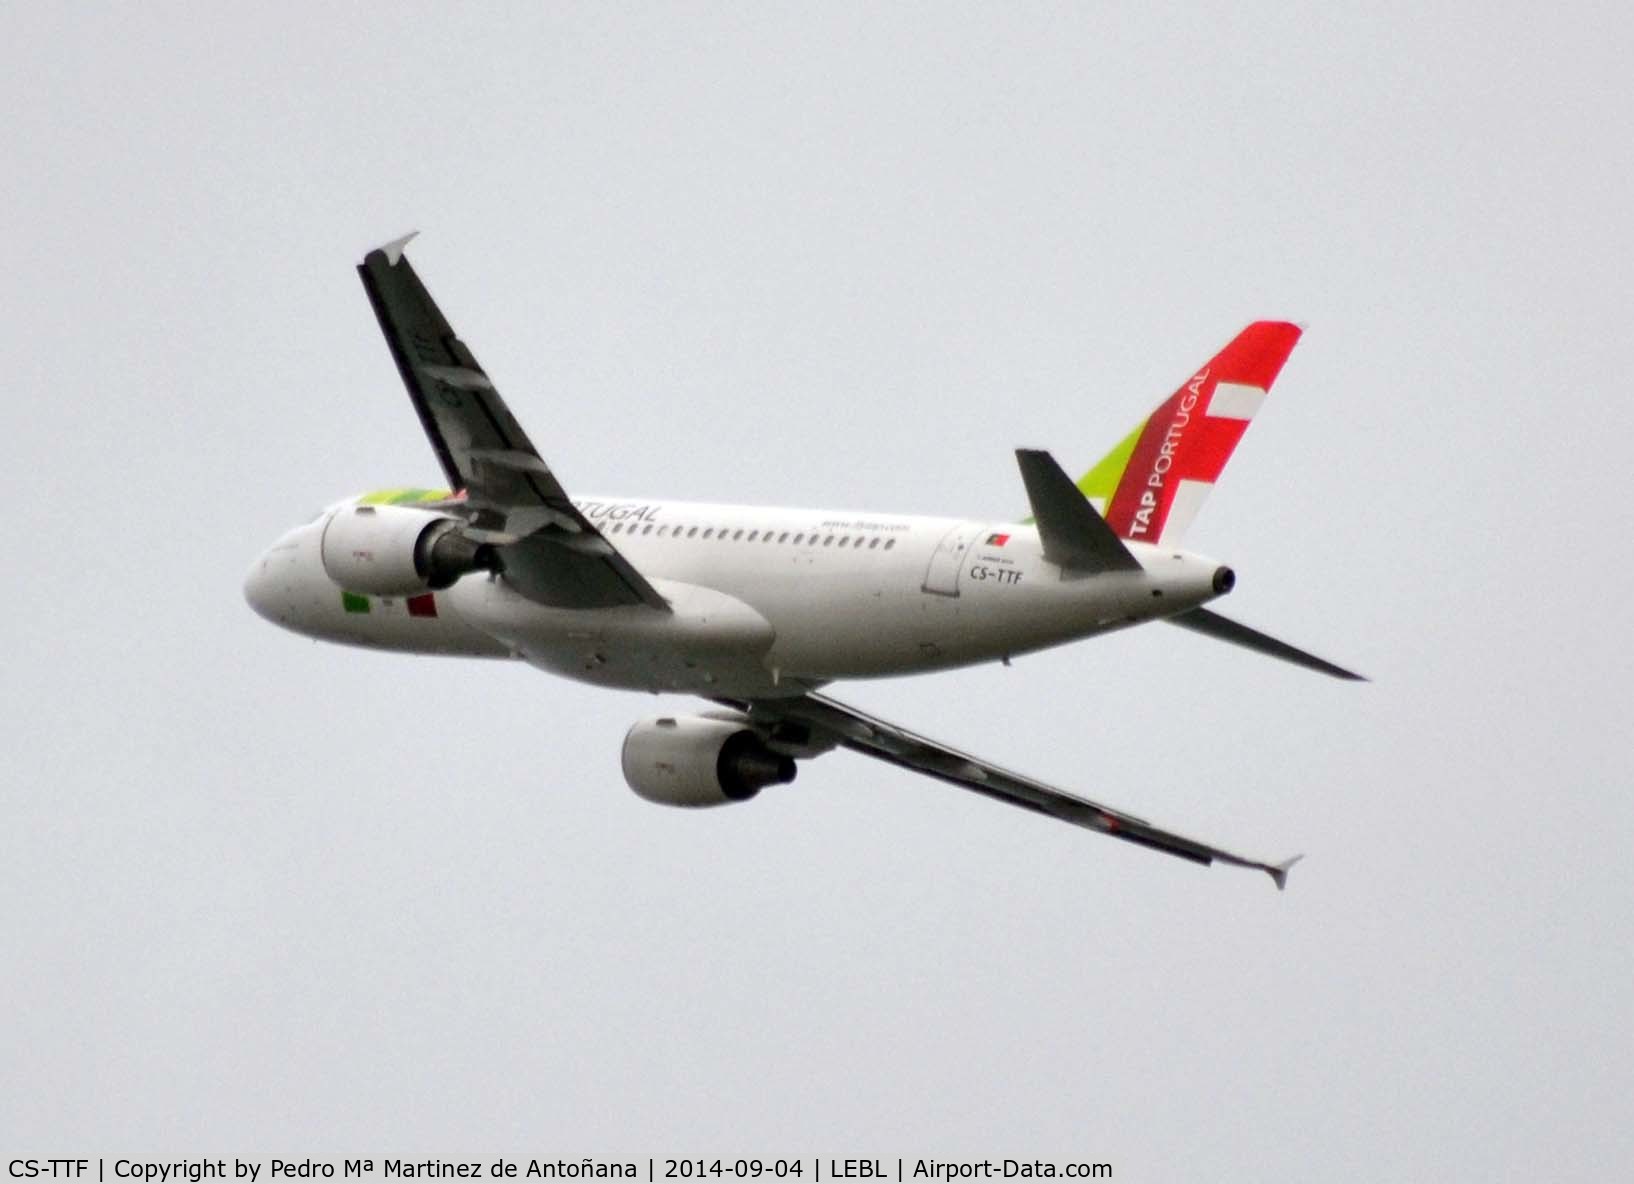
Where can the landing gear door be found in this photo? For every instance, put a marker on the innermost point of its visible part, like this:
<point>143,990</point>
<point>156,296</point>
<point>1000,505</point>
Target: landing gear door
<point>942,576</point>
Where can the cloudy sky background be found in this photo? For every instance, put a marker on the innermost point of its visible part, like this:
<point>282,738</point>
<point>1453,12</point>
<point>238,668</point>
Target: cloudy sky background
<point>260,896</point>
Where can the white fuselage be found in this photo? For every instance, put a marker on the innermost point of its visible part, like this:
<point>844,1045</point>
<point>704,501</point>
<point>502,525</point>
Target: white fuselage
<point>763,601</point>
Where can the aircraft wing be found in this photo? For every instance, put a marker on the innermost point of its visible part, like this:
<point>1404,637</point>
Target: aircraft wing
<point>871,736</point>
<point>547,550</point>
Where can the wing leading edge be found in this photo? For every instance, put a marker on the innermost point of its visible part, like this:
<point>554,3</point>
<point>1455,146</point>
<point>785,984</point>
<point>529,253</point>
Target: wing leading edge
<point>547,550</point>
<point>872,736</point>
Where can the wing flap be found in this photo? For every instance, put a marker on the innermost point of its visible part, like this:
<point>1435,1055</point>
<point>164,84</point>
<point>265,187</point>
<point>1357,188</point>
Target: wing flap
<point>550,567</point>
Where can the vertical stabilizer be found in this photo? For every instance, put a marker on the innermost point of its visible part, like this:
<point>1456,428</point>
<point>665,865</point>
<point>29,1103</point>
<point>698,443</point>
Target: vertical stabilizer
<point>1150,487</point>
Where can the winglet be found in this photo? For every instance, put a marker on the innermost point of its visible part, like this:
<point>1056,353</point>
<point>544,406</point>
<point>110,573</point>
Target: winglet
<point>1279,873</point>
<point>393,251</point>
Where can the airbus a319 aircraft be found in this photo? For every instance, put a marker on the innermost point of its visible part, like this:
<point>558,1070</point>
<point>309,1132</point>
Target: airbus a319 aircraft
<point>756,610</point>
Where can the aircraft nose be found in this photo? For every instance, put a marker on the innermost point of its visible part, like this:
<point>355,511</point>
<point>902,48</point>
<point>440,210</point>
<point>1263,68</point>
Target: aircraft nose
<point>258,586</point>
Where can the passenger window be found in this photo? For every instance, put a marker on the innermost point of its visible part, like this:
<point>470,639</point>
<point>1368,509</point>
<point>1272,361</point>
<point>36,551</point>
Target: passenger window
<point>784,537</point>
<point>617,526</point>
<point>709,531</point>
<point>647,529</point>
<point>797,539</point>
<point>873,542</point>
<point>859,542</point>
<point>737,535</point>
<point>752,535</point>
<point>889,543</point>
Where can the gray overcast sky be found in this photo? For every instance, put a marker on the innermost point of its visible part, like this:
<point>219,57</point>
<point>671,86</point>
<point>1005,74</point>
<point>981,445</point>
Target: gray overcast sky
<point>261,896</point>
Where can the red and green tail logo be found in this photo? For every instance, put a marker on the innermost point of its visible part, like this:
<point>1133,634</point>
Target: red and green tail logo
<point>1150,487</point>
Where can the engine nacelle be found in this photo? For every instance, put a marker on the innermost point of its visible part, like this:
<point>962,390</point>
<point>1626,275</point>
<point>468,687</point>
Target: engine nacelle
<point>397,551</point>
<point>687,760</point>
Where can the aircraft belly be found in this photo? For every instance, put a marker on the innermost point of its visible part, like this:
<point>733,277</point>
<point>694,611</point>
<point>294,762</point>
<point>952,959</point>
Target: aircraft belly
<point>922,631</point>
<point>708,643</point>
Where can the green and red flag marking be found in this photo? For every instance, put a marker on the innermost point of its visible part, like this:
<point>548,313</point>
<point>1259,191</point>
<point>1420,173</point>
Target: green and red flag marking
<point>423,605</point>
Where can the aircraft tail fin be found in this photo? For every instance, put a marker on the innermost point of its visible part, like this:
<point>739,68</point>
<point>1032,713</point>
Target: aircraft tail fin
<point>1150,487</point>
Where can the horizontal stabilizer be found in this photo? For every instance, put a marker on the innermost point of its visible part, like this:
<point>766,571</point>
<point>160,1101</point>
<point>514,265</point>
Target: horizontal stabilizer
<point>1201,620</point>
<point>1074,535</point>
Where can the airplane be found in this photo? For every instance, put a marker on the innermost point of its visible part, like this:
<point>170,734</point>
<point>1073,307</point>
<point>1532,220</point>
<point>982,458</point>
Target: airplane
<point>756,610</point>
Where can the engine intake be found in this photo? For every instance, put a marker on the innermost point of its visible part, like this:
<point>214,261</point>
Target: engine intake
<point>689,760</point>
<point>398,551</point>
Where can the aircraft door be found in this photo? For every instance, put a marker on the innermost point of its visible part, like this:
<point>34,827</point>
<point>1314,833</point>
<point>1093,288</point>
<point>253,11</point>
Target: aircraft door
<point>948,560</point>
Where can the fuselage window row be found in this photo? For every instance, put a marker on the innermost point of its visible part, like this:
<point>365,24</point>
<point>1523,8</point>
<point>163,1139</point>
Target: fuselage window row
<point>729,535</point>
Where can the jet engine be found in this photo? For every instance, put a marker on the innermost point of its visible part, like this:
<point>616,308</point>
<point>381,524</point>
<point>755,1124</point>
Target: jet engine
<point>689,760</point>
<point>398,551</point>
